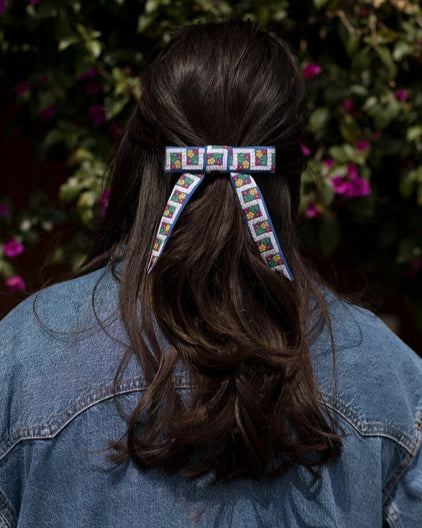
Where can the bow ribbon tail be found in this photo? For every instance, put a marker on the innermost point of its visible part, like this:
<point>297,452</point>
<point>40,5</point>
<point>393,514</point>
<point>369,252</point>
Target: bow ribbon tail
<point>182,192</point>
<point>259,223</point>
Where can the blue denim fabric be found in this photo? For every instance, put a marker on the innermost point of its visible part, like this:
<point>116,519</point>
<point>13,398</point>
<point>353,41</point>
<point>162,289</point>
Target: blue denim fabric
<point>57,414</point>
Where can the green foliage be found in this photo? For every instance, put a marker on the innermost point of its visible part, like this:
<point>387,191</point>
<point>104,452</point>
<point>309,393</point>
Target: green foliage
<point>75,66</point>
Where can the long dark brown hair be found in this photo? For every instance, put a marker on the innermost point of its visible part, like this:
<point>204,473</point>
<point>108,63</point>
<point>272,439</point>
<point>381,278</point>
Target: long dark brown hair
<point>240,330</point>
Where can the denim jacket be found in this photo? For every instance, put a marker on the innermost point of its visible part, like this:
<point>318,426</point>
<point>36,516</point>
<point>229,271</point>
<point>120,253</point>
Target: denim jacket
<point>58,414</point>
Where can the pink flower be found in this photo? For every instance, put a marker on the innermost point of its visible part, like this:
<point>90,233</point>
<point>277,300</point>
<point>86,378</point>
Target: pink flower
<point>357,188</point>
<point>329,163</point>
<point>2,6</point>
<point>22,89</point>
<point>351,188</point>
<point>104,201</point>
<point>88,74</point>
<point>401,95</point>
<point>4,208</point>
<point>339,185</point>
<point>115,130</point>
<point>97,114</point>
<point>15,284</point>
<point>91,88</point>
<point>312,211</point>
<point>352,172</point>
<point>414,268</point>
<point>362,145</point>
<point>305,150</point>
<point>13,248</point>
<point>34,2</point>
<point>311,70</point>
<point>349,106</point>
<point>47,113</point>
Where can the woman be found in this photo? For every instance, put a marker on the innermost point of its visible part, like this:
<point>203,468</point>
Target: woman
<point>196,373</point>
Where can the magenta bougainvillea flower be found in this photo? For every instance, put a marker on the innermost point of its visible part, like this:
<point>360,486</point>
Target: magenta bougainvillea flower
<point>339,185</point>
<point>104,201</point>
<point>312,211</point>
<point>97,114</point>
<point>311,70</point>
<point>91,88</point>
<point>4,208</point>
<point>401,94</point>
<point>305,150</point>
<point>34,2</point>
<point>23,88</point>
<point>115,130</point>
<point>362,145</point>
<point>329,163</point>
<point>15,284</point>
<point>352,186</point>
<point>12,248</point>
<point>88,74</point>
<point>2,6</point>
<point>352,172</point>
<point>416,264</point>
<point>349,106</point>
<point>47,113</point>
<point>358,187</point>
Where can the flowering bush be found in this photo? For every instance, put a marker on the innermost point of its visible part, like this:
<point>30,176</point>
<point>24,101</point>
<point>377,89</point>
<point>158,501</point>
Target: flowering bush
<point>72,68</point>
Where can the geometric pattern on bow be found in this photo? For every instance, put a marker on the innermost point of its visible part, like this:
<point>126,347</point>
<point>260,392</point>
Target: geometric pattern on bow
<point>239,162</point>
<point>258,221</point>
<point>220,158</point>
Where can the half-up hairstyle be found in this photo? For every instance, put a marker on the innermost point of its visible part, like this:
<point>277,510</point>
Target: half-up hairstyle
<point>240,329</point>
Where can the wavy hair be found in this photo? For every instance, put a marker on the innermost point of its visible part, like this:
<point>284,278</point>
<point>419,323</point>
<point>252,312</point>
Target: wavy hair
<point>240,329</point>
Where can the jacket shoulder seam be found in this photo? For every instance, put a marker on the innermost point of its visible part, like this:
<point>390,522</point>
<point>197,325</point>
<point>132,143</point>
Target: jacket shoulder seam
<point>54,427</point>
<point>382,429</point>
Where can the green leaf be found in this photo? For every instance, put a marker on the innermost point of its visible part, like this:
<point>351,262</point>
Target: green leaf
<point>320,3</point>
<point>114,105</point>
<point>352,44</point>
<point>414,133</point>
<point>144,22</point>
<point>318,119</point>
<point>70,40</point>
<point>6,268</point>
<point>350,129</point>
<point>401,50</point>
<point>80,155</point>
<point>52,137</point>
<point>326,193</point>
<point>344,153</point>
<point>385,55</point>
<point>406,186</point>
<point>70,190</point>
<point>385,36</point>
<point>409,249</point>
<point>94,47</point>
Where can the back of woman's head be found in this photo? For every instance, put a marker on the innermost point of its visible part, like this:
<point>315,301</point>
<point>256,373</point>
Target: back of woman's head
<point>237,326</point>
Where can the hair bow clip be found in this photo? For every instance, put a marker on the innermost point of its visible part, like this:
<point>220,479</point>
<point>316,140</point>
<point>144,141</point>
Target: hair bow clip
<point>240,162</point>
